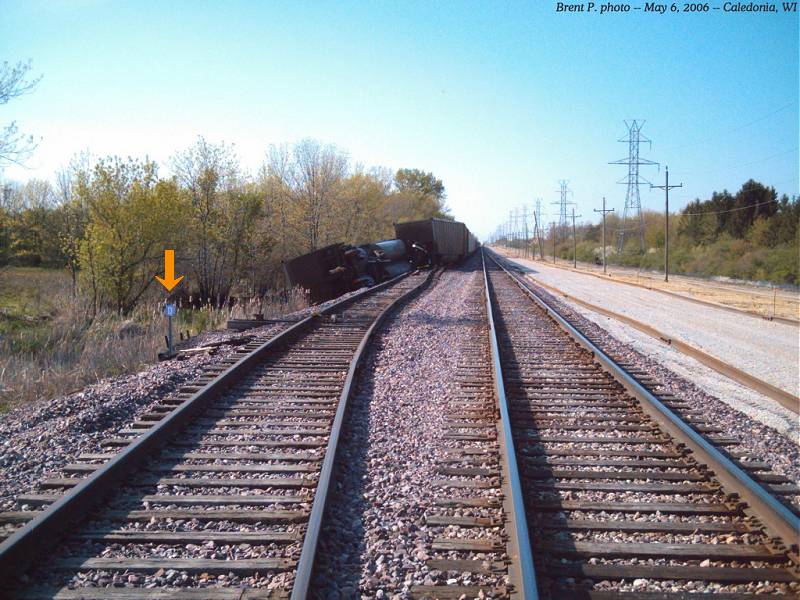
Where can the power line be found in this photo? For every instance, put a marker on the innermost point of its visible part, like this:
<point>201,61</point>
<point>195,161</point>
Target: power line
<point>747,164</point>
<point>735,129</point>
<point>721,212</point>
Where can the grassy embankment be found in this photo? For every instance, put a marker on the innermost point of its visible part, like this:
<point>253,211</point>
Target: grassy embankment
<point>51,344</point>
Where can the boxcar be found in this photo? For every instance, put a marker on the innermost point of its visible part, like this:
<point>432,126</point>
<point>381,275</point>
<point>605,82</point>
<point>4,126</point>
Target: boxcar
<point>472,242</point>
<point>443,239</point>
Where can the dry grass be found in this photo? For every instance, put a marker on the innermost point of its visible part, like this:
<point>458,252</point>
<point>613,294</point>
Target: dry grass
<point>73,348</point>
<point>51,344</point>
<point>271,306</point>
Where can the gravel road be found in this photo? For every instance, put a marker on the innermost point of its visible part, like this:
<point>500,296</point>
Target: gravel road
<point>768,350</point>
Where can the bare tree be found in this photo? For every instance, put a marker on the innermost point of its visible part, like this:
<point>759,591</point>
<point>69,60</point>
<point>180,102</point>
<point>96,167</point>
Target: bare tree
<point>222,214</point>
<point>317,175</point>
<point>15,146</point>
<point>73,211</point>
<point>303,185</point>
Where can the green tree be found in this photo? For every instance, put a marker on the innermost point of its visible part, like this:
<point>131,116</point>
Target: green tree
<point>752,201</point>
<point>132,217</point>
<point>424,191</point>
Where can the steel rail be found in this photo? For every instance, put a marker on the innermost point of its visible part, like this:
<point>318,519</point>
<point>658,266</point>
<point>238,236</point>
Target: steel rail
<point>778,520</point>
<point>522,569</point>
<point>21,548</point>
<point>305,564</point>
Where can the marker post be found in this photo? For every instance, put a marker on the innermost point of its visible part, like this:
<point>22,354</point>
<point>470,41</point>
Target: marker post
<point>170,311</point>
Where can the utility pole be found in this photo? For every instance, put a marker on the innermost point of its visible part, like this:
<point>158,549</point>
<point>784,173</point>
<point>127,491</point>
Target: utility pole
<point>574,240</point>
<point>516,232</point>
<point>511,227</point>
<point>553,231</point>
<point>604,211</point>
<point>539,226</point>
<point>525,228</point>
<point>666,187</point>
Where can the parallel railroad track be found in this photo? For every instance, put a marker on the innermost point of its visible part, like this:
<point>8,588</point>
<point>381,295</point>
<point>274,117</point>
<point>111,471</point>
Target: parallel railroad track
<point>776,485</point>
<point>623,498</point>
<point>221,488</point>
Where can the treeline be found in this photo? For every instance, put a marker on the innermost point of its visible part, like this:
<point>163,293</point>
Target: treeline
<point>752,234</point>
<point>109,221</point>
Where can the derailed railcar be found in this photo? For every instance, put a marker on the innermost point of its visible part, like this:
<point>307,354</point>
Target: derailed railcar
<point>340,268</point>
<point>319,272</point>
<point>444,240</point>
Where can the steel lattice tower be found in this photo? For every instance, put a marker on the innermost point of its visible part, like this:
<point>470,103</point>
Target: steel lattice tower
<point>633,203</point>
<point>562,209</point>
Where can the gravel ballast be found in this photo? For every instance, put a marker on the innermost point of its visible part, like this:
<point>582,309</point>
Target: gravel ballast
<point>377,541</point>
<point>39,439</point>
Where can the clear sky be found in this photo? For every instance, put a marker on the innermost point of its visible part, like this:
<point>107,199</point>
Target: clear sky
<point>499,99</point>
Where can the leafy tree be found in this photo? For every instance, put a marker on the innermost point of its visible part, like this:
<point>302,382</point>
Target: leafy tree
<point>785,225</point>
<point>362,194</point>
<point>133,217</point>
<point>34,229</point>
<point>423,191</point>
<point>415,180</point>
<point>752,201</point>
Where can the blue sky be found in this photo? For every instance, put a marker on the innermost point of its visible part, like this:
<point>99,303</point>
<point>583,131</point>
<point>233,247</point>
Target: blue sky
<point>499,100</point>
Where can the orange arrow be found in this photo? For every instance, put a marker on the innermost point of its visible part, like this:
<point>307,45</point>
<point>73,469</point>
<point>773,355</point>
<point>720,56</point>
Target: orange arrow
<point>169,280</point>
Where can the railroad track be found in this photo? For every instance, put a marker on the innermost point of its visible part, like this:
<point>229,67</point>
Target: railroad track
<point>478,512</point>
<point>220,488</point>
<point>625,498</point>
<point>777,485</point>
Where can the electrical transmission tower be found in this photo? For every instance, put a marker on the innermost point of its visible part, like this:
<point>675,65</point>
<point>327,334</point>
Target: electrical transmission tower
<point>562,209</point>
<point>633,203</point>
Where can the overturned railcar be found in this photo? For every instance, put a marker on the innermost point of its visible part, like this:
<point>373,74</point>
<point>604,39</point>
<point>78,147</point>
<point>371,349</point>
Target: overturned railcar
<point>339,268</point>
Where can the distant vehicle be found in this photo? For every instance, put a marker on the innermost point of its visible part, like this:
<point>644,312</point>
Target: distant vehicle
<point>340,268</point>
